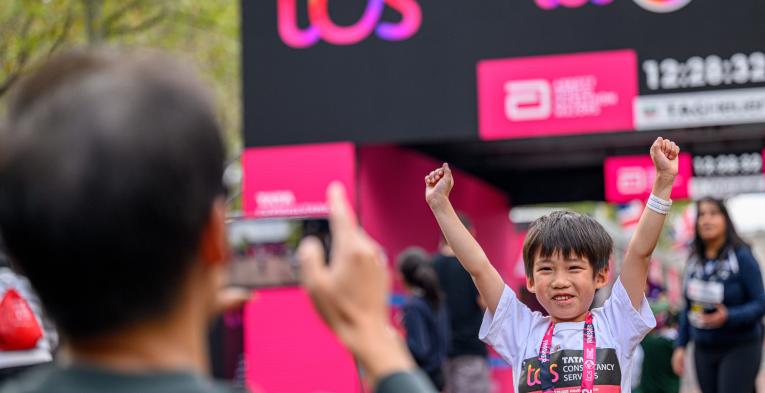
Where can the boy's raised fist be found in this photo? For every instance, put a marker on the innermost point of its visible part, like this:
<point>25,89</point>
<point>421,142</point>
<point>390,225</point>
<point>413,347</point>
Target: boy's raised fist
<point>664,154</point>
<point>438,183</point>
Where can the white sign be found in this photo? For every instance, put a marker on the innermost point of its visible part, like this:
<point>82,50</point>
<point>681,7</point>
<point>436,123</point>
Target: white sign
<point>739,106</point>
<point>705,291</point>
<point>725,186</point>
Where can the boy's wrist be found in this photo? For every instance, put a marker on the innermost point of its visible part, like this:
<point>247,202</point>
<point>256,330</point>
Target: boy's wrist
<point>437,201</point>
<point>662,185</point>
<point>664,177</point>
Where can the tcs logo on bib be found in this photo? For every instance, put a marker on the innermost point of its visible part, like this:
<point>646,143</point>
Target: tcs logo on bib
<point>322,27</point>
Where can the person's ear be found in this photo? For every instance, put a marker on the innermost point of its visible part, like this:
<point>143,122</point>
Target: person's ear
<point>601,278</point>
<point>530,284</point>
<point>213,247</point>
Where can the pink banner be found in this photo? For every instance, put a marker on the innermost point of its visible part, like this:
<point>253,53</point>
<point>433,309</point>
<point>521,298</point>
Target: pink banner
<point>394,212</point>
<point>291,181</point>
<point>631,177</point>
<point>554,95</point>
<point>289,349</point>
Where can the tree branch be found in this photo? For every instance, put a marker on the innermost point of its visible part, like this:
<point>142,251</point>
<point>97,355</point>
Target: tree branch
<point>21,59</point>
<point>8,33</point>
<point>110,20</point>
<point>144,25</point>
<point>24,51</point>
<point>9,82</point>
<point>62,35</point>
<point>196,21</point>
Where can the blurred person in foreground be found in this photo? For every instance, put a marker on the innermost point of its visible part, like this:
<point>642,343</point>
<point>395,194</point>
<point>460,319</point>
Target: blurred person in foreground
<point>111,202</point>
<point>467,369</point>
<point>425,316</point>
<point>725,303</point>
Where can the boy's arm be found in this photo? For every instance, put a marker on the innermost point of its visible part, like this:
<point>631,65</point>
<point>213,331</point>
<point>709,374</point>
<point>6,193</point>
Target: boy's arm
<point>486,278</point>
<point>664,154</point>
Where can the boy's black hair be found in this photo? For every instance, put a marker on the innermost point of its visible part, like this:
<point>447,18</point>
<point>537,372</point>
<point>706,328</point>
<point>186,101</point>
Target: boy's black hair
<point>108,172</point>
<point>570,234</point>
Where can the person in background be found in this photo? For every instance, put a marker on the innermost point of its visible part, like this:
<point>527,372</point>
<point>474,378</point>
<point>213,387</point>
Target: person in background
<point>725,303</point>
<point>657,375</point>
<point>467,369</point>
<point>425,316</point>
<point>16,361</point>
<point>111,202</point>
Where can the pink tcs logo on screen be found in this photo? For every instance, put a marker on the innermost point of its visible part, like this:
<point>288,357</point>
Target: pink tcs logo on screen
<point>552,4</point>
<point>322,26</point>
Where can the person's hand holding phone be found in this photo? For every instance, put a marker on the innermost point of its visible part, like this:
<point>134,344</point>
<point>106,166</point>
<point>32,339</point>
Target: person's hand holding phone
<point>351,293</point>
<point>715,318</point>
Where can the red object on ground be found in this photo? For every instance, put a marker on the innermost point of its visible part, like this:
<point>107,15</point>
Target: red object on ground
<point>19,329</point>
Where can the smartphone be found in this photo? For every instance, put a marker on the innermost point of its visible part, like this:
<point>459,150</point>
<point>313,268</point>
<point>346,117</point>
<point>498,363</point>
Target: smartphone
<point>264,251</point>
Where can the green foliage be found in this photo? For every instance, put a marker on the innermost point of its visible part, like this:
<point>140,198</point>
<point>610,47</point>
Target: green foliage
<point>204,32</point>
<point>29,32</point>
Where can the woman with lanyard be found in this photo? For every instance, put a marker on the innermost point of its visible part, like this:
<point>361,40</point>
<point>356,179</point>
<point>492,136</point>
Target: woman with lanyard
<point>725,303</point>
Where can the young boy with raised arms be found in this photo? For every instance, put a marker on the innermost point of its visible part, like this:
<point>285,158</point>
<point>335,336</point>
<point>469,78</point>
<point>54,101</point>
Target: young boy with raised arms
<point>575,348</point>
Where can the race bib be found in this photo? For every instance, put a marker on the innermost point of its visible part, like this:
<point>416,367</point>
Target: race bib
<point>566,370</point>
<point>708,292</point>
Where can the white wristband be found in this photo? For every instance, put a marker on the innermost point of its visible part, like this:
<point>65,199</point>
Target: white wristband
<point>658,205</point>
<point>663,202</point>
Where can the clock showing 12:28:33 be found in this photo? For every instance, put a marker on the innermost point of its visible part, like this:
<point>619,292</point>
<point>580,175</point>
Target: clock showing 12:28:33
<point>710,71</point>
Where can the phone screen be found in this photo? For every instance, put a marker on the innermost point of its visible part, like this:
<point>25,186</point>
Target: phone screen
<point>263,251</point>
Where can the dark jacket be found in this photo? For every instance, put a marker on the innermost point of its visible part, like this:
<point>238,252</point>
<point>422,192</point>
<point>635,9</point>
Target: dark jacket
<point>462,304</point>
<point>427,336</point>
<point>744,297</point>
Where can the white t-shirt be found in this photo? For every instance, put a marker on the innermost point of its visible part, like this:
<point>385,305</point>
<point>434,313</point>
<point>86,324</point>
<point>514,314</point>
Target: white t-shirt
<point>516,332</point>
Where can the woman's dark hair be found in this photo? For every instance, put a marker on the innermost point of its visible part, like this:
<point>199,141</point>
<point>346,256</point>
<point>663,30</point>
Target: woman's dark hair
<point>732,239</point>
<point>415,267</point>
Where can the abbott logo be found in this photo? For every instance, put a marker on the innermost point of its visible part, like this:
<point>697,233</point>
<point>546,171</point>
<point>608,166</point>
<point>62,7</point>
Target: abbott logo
<point>528,100</point>
<point>322,26</point>
<point>277,198</point>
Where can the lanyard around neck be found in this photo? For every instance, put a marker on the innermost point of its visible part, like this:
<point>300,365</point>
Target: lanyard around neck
<point>588,357</point>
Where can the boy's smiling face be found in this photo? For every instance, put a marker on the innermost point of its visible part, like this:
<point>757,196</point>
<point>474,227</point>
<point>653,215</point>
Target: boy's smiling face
<point>565,286</point>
